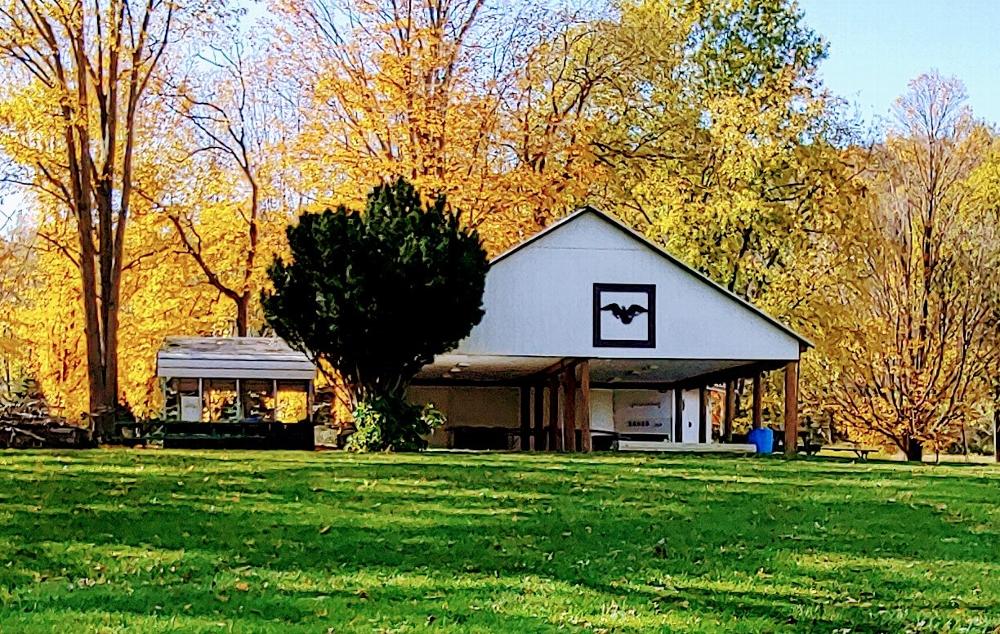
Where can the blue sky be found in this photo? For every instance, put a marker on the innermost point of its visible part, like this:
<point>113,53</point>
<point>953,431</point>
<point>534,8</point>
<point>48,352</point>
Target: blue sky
<point>877,46</point>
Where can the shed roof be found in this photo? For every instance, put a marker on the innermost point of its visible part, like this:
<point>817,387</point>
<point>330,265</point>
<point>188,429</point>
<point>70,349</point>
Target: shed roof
<point>232,358</point>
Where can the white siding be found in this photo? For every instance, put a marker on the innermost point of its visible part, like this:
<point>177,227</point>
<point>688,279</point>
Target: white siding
<point>539,302</point>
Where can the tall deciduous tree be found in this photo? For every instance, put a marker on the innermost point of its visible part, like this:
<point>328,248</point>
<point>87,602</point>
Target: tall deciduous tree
<point>226,210</point>
<point>86,68</point>
<point>918,349</point>
<point>985,184</point>
<point>15,262</point>
<point>440,93</point>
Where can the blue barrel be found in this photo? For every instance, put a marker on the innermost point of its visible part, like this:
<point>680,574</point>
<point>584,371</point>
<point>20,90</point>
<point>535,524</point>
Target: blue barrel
<point>763,439</point>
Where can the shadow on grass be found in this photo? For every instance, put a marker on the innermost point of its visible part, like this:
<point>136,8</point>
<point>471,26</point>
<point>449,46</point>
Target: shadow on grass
<point>305,539</point>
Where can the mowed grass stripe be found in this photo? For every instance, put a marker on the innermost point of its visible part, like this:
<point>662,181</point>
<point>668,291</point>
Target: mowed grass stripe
<point>152,541</point>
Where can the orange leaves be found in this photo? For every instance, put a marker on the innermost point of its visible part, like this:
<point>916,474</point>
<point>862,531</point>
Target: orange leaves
<point>435,96</point>
<point>919,349</point>
<point>516,115</point>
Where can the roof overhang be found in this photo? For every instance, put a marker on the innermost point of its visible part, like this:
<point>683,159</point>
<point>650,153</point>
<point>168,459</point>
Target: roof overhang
<point>489,370</point>
<point>232,358</point>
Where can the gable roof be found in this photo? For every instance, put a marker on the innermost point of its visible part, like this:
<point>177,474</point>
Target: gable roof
<point>644,241</point>
<point>232,358</point>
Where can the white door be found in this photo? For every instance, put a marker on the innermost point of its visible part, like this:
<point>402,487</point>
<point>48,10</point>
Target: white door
<point>690,418</point>
<point>191,408</point>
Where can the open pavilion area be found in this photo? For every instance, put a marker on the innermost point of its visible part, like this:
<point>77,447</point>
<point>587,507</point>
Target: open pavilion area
<point>144,541</point>
<point>594,337</point>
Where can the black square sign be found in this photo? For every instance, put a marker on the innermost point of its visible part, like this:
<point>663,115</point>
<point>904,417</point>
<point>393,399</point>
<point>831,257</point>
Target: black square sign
<point>624,315</point>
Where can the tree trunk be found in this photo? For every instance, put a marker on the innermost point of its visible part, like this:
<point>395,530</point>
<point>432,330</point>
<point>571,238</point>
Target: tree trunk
<point>72,55</point>
<point>242,314</point>
<point>102,373</point>
<point>101,378</point>
<point>996,420</point>
<point>914,450</point>
<point>996,434</point>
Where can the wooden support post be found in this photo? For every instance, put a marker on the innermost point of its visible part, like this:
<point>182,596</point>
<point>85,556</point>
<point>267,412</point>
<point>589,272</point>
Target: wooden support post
<point>757,402</point>
<point>239,401</point>
<point>569,411</point>
<point>791,408</point>
<point>729,411</point>
<point>584,416</point>
<point>704,424</point>
<point>539,407</point>
<point>163,384</point>
<point>678,435</point>
<point>277,416</point>
<point>525,418</point>
<point>555,435</point>
<point>310,401</point>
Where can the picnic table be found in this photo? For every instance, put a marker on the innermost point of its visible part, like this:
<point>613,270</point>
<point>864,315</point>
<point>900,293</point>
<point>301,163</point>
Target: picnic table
<point>810,446</point>
<point>860,452</point>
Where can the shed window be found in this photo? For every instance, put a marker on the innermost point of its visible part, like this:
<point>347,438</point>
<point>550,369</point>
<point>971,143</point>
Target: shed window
<point>181,399</point>
<point>293,401</point>
<point>257,397</point>
<point>220,403</point>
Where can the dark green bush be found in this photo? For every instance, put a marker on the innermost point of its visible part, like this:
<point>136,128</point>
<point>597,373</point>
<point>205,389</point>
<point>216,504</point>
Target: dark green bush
<point>376,295</point>
<point>392,424</point>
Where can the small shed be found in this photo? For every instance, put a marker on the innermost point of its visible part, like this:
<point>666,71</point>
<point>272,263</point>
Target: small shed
<point>232,379</point>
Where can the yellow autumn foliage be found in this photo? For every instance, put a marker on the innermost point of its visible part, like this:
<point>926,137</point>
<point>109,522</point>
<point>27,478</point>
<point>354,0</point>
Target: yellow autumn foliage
<point>703,124</point>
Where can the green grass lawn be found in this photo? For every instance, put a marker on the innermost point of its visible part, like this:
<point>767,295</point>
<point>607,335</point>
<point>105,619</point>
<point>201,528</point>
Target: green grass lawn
<point>142,541</point>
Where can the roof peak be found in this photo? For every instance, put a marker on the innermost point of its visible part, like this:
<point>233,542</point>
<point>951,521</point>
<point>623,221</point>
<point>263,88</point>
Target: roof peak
<point>588,210</point>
